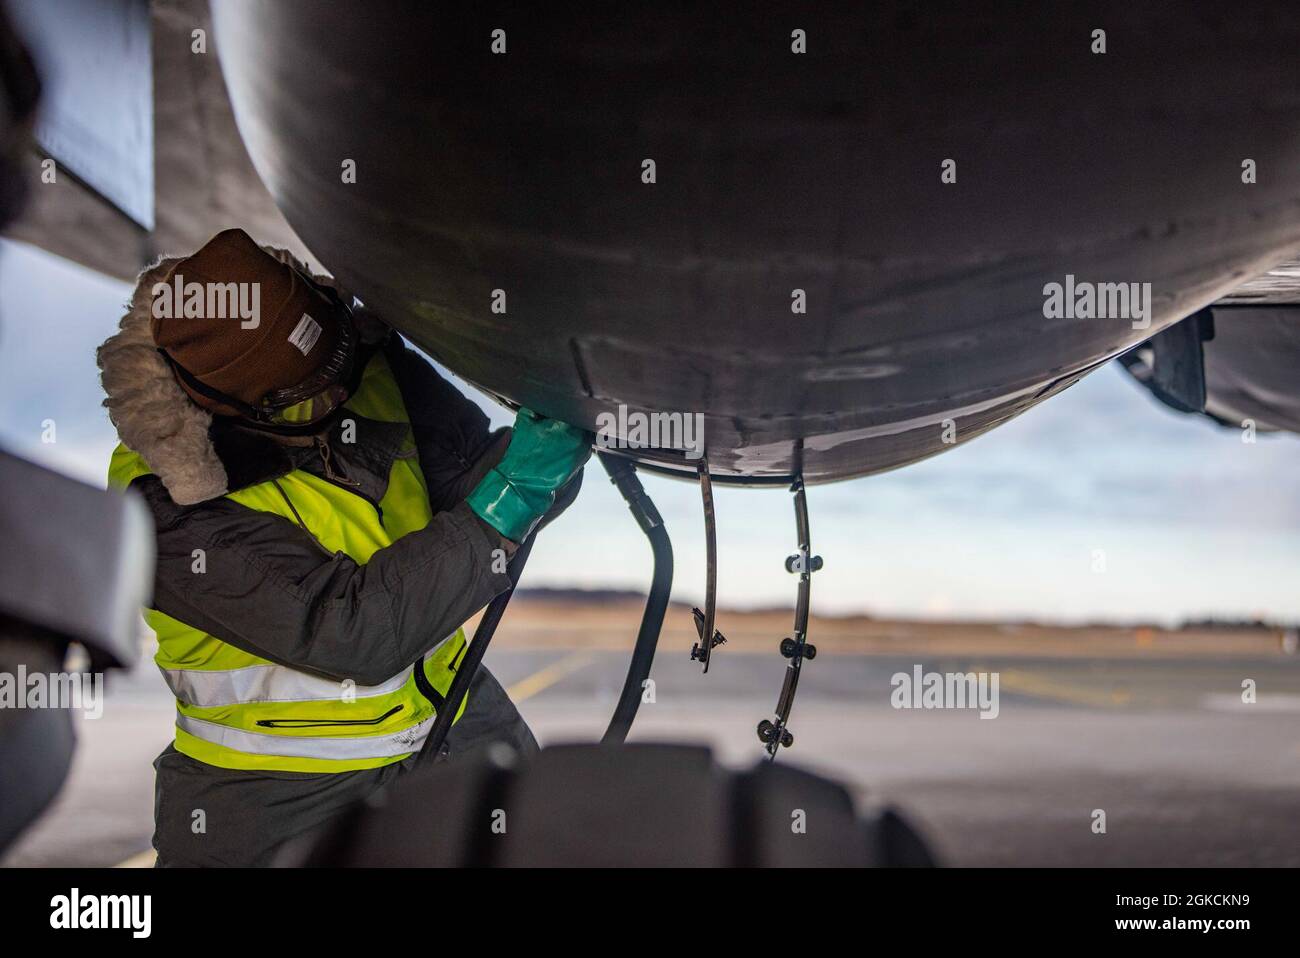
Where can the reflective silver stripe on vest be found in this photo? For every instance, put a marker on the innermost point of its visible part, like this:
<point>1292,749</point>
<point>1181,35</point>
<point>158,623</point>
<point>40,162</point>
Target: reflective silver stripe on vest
<point>297,746</point>
<point>208,688</point>
<point>212,688</point>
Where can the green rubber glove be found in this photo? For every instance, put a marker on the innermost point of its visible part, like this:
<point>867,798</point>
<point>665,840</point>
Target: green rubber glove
<point>543,455</point>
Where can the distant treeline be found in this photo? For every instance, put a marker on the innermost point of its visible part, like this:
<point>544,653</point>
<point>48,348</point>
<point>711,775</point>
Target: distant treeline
<point>1237,624</point>
<point>596,596</point>
<point>612,596</point>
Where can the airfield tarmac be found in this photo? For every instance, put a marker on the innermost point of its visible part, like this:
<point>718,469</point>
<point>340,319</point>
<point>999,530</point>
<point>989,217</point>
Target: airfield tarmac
<point>1147,725</point>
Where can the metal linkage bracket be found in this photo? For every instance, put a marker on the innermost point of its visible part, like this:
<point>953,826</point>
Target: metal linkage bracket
<point>702,650</point>
<point>796,648</point>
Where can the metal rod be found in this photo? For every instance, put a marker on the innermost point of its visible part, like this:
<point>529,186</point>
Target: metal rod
<point>775,734</point>
<point>469,664</point>
<point>711,573</point>
<point>622,473</point>
<point>805,554</point>
<point>791,684</point>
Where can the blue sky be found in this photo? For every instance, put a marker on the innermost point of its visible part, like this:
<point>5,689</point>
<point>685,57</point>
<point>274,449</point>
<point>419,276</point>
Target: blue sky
<point>1192,521</point>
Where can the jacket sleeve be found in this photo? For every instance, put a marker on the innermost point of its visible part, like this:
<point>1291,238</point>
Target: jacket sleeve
<point>455,445</point>
<point>269,588</point>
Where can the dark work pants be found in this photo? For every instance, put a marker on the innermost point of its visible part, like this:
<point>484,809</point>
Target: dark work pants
<point>247,816</point>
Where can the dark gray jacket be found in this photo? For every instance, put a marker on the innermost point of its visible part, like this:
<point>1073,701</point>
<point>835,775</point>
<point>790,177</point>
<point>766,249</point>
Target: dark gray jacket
<point>272,590</point>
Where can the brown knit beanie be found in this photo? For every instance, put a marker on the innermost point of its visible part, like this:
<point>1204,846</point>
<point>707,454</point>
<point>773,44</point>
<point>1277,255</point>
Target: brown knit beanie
<point>241,322</point>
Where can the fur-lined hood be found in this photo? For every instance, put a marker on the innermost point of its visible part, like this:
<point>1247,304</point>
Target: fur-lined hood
<point>152,414</point>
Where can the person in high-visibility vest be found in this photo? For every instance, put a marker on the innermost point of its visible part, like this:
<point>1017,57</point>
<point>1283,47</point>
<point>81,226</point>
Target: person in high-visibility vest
<point>328,511</point>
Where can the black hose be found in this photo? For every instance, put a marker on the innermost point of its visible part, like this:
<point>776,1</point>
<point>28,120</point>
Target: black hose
<point>622,472</point>
<point>469,664</point>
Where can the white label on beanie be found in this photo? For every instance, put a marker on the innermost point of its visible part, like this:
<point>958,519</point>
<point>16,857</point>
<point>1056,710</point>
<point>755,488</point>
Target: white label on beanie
<point>305,334</point>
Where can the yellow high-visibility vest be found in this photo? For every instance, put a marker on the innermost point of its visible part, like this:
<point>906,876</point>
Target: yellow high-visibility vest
<point>238,710</point>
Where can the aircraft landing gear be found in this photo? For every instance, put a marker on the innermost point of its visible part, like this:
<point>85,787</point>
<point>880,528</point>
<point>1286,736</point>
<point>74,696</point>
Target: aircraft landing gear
<point>775,734</point>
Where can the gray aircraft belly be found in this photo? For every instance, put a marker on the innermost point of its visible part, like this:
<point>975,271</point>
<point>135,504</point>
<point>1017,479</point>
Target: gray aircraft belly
<point>774,172</point>
<point>1252,367</point>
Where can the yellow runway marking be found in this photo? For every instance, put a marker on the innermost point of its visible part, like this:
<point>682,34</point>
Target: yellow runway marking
<point>1038,686</point>
<point>142,860</point>
<point>544,679</point>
